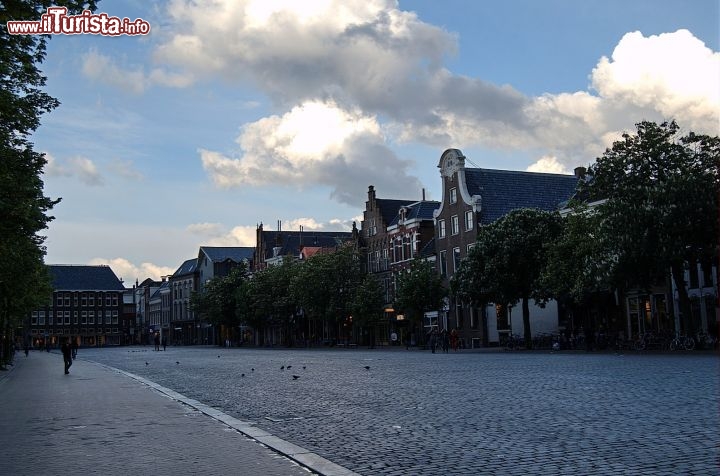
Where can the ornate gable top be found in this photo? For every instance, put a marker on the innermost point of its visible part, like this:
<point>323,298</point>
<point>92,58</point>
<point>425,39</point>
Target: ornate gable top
<point>451,161</point>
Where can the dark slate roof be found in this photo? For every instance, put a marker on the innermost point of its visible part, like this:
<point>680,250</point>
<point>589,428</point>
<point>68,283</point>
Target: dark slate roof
<point>389,208</point>
<point>158,291</point>
<point>223,253</point>
<point>291,241</point>
<point>505,190</point>
<point>422,210</point>
<point>84,278</point>
<point>188,266</point>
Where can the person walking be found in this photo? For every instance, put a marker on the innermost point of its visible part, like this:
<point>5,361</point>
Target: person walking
<point>157,341</point>
<point>74,347</point>
<point>67,355</point>
<point>164,342</point>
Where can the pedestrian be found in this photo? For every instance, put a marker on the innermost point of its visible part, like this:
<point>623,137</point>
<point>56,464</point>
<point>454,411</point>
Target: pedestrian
<point>157,341</point>
<point>67,355</point>
<point>26,348</point>
<point>74,348</point>
<point>454,339</point>
<point>433,339</point>
<point>164,342</point>
<point>445,340</point>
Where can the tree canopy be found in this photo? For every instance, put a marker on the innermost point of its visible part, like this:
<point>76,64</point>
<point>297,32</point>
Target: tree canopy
<point>506,263</point>
<point>658,202</point>
<point>24,283</point>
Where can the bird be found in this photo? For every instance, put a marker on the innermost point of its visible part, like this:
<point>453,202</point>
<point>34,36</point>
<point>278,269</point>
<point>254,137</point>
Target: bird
<point>146,363</point>
<point>242,375</point>
<point>252,370</point>
<point>282,368</point>
<point>289,367</point>
<point>218,356</point>
<point>367,367</point>
<point>295,377</point>
<point>303,367</point>
<point>178,363</point>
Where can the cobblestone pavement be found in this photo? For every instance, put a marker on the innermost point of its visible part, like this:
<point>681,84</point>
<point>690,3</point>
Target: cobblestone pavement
<point>468,413</point>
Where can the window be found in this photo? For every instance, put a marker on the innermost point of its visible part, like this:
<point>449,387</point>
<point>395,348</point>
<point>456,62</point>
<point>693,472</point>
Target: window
<point>75,299</point>
<point>455,225</point>
<point>384,266</point>
<point>59,300</point>
<point>469,220</point>
<point>453,195</point>
<point>115,317</point>
<point>66,318</point>
<point>441,228</point>
<point>456,259</point>
<point>83,317</point>
<point>108,300</point>
<point>41,318</point>
<point>67,300</point>
<point>443,263</point>
<point>34,318</point>
<point>91,317</point>
<point>83,300</point>
<point>51,318</point>
<point>108,317</point>
<point>92,299</point>
<point>75,317</point>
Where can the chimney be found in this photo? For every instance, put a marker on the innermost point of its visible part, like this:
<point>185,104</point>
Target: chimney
<point>580,172</point>
<point>423,191</point>
<point>371,195</point>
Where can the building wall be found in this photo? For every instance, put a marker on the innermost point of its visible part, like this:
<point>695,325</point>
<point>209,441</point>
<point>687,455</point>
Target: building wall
<point>92,318</point>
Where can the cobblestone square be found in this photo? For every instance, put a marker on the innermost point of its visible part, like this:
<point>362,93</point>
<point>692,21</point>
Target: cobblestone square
<point>393,412</point>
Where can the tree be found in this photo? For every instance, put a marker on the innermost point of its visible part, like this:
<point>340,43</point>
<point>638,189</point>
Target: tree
<point>325,286</point>
<point>271,298</point>
<point>367,305</point>
<point>419,289</point>
<point>505,264</point>
<point>661,205</point>
<point>219,302</point>
<point>24,283</point>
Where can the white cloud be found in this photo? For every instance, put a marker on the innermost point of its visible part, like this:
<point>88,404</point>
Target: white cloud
<point>53,168</point>
<point>86,170</point>
<point>238,236</point>
<point>129,272</point>
<point>125,169</point>
<point>673,73</point>
<point>548,164</point>
<point>366,59</point>
<point>316,143</point>
<point>102,68</point>
<point>205,229</point>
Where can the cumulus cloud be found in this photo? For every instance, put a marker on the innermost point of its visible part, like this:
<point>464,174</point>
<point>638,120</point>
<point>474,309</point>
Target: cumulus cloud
<point>129,272</point>
<point>548,164</point>
<point>370,56</point>
<point>673,73</point>
<point>316,143</point>
<point>53,168</point>
<point>205,229</point>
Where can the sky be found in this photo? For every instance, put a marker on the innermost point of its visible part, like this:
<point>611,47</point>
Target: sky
<point>231,113</point>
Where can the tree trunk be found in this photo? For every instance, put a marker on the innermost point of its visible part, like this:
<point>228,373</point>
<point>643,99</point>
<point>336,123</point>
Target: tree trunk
<point>686,322</point>
<point>526,322</point>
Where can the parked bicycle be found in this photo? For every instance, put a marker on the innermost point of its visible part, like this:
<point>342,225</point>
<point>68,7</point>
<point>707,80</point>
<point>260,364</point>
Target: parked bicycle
<point>682,343</point>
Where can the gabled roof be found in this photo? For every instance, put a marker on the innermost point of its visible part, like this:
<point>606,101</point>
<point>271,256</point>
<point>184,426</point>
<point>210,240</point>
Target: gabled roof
<point>218,254</point>
<point>505,190</point>
<point>389,207</point>
<point>159,290</point>
<point>290,242</point>
<point>188,266</point>
<point>84,278</point>
<point>422,210</point>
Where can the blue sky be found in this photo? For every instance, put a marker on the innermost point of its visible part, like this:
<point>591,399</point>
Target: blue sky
<point>234,113</point>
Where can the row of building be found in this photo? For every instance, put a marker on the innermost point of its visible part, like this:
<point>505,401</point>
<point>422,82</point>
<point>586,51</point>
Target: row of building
<point>91,305</point>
